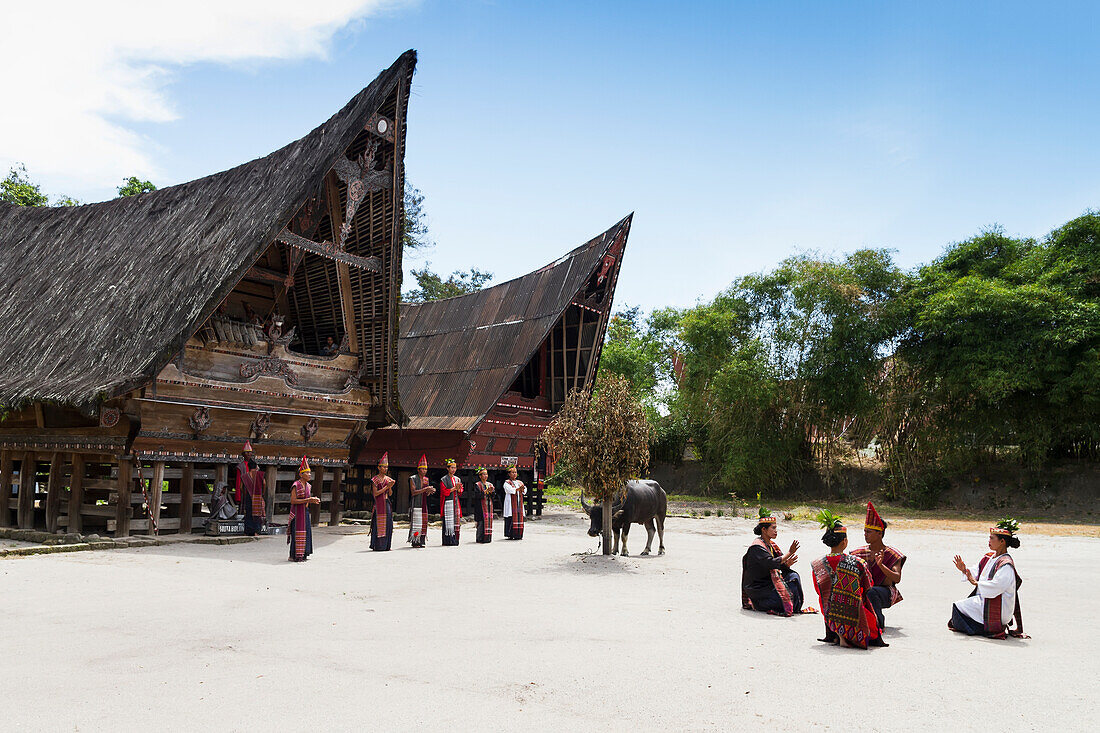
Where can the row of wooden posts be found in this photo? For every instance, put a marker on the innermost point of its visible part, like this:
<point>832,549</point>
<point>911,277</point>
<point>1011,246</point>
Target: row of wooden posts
<point>101,493</point>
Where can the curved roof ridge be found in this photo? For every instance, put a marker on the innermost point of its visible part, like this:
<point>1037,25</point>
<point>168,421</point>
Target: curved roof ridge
<point>97,298</point>
<point>453,369</point>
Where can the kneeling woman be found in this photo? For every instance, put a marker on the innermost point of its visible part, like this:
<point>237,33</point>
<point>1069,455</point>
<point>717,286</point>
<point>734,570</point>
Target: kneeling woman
<point>992,604</point>
<point>842,582</point>
<point>767,581</point>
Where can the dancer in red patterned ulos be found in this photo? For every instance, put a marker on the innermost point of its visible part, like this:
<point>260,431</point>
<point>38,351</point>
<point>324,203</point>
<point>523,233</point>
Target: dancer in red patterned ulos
<point>842,582</point>
<point>884,562</point>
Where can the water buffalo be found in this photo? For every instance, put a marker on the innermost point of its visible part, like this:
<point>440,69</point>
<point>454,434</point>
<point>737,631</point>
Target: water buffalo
<point>644,502</point>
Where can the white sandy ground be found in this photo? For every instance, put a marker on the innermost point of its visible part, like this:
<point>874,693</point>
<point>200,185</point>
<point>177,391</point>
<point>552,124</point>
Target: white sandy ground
<point>525,635</point>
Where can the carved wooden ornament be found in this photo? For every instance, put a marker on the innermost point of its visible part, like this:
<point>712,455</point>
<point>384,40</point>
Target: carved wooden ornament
<point>200,419</point>
<point>272,365</point>
<point>309,429</point>
<point>260,424</point>
<point>109,416</point>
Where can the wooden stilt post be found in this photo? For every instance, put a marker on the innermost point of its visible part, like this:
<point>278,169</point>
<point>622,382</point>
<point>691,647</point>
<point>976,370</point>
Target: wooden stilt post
<point>337,496</point>
<point>76,494</point>
<point>53,492</point>
<point>318,489</point>
<point>26,491</point>
<point>269,490</point>
<point>156,492</point>
<point>5,488</point>
<point>187,497</point>
<point>123,509</point>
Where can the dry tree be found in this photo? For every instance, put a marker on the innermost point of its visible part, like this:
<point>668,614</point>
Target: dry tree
<point>604,436</point>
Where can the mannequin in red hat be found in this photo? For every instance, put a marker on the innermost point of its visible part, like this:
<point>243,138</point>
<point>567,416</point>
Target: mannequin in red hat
<point>250,491</point>
<point>483,506</point>
<point>419,488</point>
<point>884,562</point>
<point>382,521</point>
<point>450,507</point>
<point>300,532</point>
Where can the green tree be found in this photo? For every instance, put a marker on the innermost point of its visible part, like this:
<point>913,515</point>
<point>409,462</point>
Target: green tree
<point>1005,345</point>
<point>631,352</point>
<point>133,186</point>
<point>604,436</point>
<point>19,190</point>
<point>782,365</point>
<point>431,286</point>
<point>416,221</point>
<point>642,353</point>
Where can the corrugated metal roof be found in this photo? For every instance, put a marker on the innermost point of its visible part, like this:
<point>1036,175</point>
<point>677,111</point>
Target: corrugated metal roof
<point>457,356</point>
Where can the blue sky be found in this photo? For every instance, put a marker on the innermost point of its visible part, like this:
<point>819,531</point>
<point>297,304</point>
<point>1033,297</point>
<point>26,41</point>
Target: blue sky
<point>738,133</point>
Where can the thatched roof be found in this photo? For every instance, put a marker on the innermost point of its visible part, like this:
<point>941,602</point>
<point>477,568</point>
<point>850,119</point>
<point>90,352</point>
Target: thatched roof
<point>96,299</point>
<point>458,356</point>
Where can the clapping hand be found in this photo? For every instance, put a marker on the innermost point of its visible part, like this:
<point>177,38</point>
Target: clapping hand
<point>964,570</point>
<point>794,548</point>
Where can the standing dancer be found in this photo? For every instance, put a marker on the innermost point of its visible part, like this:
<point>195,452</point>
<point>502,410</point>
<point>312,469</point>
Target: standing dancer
<point>842,582</point>
<point>884,562</point>
<point>419,488</point>
<point>513,506</point>
<point>450,488</point>
<point>250,491</point>
<point>382,522</point>
<point>299,533</point>
<point>483,498</point>
<point>991,606</point>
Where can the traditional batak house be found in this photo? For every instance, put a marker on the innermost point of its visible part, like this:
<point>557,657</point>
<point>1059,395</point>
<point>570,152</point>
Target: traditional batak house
<point>145,339</point>
<point>482,374</point>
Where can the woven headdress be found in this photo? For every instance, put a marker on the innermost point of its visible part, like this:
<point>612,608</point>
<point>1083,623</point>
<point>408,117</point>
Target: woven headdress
<point>873,520</point>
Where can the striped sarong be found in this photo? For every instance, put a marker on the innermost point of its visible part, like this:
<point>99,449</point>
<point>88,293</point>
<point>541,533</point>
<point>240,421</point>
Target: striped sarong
<point>517,516</point>
<point>299,518</point>
<point>448,517</point>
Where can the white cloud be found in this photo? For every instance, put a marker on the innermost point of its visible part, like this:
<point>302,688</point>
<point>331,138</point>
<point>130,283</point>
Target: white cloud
<point>78,72</point>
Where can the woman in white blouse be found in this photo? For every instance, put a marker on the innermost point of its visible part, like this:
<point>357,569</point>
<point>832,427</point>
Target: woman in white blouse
<point>991,606</point>
<point>513,506</point>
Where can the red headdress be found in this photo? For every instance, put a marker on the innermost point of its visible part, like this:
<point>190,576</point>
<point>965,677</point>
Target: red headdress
<point>304,466</point>
<point>247,446</point>
<point>873,520</point>
<point>385,459</point>
<point>423,462</point>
